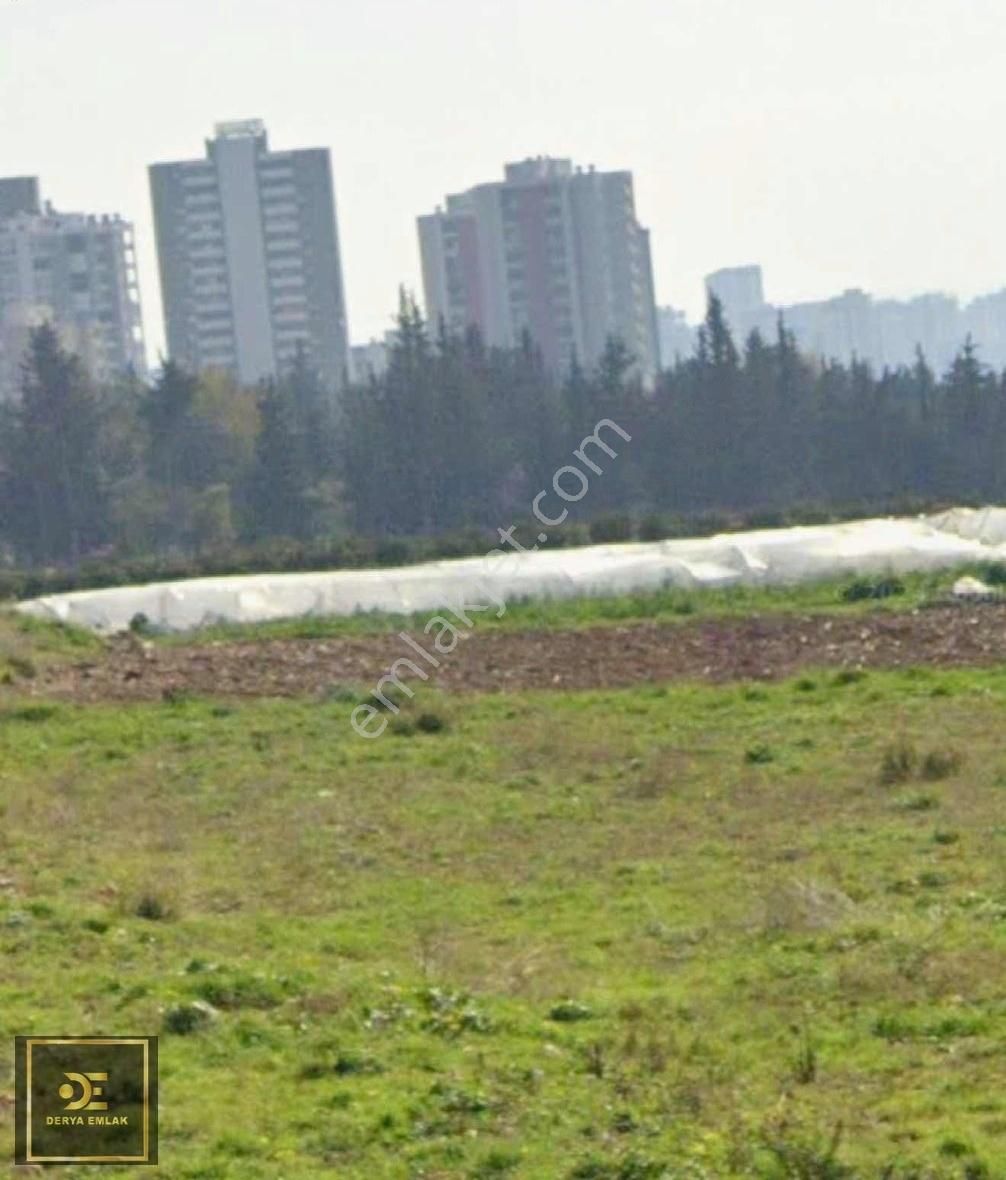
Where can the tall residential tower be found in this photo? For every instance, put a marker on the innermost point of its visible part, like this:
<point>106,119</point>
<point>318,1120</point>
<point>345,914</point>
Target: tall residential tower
<point>551,250</point>
<point>249,258</point>
<point>75,270</point>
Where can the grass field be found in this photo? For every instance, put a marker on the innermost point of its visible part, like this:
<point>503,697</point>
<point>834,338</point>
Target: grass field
<point>666,932</point>
<point>28,644</point>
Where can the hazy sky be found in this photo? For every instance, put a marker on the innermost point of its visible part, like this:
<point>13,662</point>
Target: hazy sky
<point>837,142</point>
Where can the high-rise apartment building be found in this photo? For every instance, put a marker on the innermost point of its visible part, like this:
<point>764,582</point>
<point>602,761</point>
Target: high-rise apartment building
<point>371,359</point>
<point>885,332</point>
<point>75,270</point>
<point>678,338</point>
<point>19,194</point>
<point>249,258</point>
<point>738,288</point>
<point>550,250</point>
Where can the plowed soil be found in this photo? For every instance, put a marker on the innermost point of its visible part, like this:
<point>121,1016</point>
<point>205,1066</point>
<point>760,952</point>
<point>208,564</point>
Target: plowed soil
<point>764,647</point>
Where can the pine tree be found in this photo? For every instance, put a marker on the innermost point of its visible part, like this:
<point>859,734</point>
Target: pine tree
<point>167,411</point>
<point>315,413</point>
<point>722,352</point>
<point>278,501</point>
<point>55,487</point>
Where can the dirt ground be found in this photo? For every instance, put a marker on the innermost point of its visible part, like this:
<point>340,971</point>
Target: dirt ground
<point>754,648</point>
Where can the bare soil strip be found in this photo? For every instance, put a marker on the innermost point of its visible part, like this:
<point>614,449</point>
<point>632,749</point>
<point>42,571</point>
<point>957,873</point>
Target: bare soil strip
<point>766,647</point>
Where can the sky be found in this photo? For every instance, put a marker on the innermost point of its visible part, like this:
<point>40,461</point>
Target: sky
<point>838,143</point>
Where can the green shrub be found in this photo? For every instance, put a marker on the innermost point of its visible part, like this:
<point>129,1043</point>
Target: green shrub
<point>152,908</point>
<point>940,764</point>
<point>862,589</point>
<point>898,764</point>
<point>805,1061</point>
<point>846,676</point>
<point>569,1011</point>
<point>496,1163</point>
<point>976,1170</point>
<point>397,697</point>
<point>918,802</point>
<point>344,1065</point>
<point>184,1019</point>
<point>994,573</point>
<point>893,1028</point>
<point>457,1101</point>
<point>230,990</point>
<point>29,714</point>
<point>394,551</point>
<point>654,527</point>
<point>766,518</point>
<point>759,754</point>
<point>22,666</point>
<point>452,1013</point>
<point>632,1167</point>
<point>802,1156</point>
<point>615,527</point>
<point>431,722</point>
<point>567,536</point>
<point>945,837</point>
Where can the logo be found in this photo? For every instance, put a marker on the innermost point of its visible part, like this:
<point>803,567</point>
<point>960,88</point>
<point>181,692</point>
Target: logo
<point>85,1100</point>
<point>88,1091</point>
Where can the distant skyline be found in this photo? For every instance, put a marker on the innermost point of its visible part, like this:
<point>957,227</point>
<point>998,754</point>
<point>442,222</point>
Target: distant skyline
<point>852,145</point>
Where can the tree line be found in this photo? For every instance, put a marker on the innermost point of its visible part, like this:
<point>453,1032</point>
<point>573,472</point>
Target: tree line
<point>455,439</point>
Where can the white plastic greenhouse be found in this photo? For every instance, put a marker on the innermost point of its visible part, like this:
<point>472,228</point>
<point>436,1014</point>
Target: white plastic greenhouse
<point>776,556</point>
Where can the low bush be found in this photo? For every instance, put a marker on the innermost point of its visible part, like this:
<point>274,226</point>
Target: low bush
<point>898,764</point>
<point>431,722</point>
<point>611,528</point>
<point>866,588</point>
<point>230,990</point>
<point>153,908</point>
<point>940,764</point>
<point>758,754</point>
<point>184,1019</point>
<point>569,1011</point>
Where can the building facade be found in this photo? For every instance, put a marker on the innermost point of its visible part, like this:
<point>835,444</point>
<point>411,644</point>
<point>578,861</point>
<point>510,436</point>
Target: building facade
<point>370,360</point>
<point>250,266</point>
<point>740,289</point>
<point>884,332</point>
<point>75,270</point>
<point>678,338</point>
<point>19,194</point>
<point>550,250</point>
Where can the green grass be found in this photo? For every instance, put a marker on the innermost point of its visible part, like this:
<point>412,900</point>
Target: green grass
<point>28,644</point>
<point>663,606</point>
<point>669,932</point>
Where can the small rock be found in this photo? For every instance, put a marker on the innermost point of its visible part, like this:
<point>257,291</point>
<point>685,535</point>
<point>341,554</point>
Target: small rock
<point>974,590</point>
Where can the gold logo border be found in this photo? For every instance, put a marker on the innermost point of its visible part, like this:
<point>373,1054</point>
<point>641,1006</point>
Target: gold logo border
<point>30,1043</point>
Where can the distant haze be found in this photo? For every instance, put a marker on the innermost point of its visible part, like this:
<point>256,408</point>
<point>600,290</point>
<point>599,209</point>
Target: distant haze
<point>839,144</point>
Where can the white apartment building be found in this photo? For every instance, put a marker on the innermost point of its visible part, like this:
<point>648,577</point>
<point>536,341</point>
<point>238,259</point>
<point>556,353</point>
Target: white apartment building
<point>249,258</point>
<point>551,250</point>
<point>75,270</point>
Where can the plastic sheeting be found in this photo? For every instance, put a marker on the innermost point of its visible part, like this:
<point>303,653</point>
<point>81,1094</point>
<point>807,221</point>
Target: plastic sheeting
<point>774,556</point>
